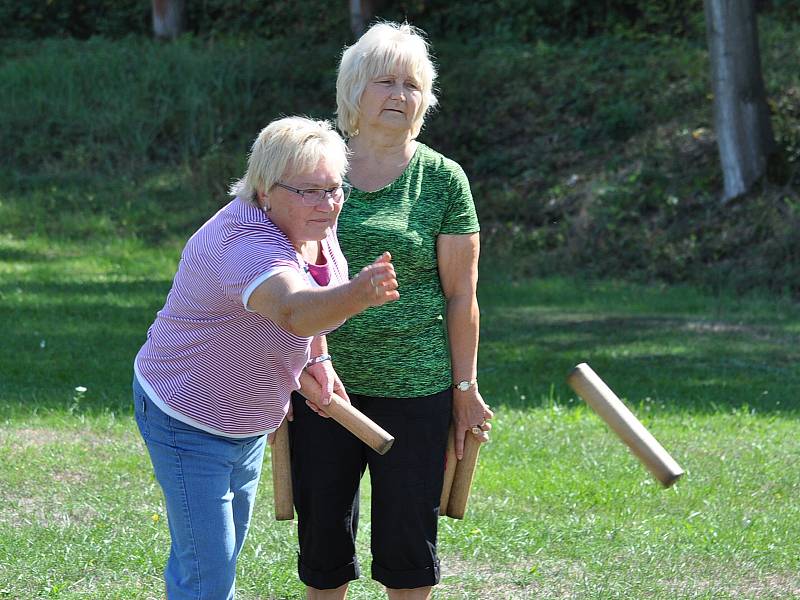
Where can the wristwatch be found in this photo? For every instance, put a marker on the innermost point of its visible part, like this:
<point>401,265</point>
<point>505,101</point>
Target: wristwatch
<point>463,386</point>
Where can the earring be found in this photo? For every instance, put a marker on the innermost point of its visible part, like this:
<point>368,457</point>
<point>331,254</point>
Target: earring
<point>264,207</point>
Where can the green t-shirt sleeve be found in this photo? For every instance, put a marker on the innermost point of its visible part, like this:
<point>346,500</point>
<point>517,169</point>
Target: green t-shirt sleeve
<point>460,216</point>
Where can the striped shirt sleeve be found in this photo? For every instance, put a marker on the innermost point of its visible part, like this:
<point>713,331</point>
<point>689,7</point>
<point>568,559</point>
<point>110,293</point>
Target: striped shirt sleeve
<point>250,259</point>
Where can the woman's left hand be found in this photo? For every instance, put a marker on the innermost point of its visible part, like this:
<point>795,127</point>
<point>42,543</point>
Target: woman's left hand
<point>470,416</point>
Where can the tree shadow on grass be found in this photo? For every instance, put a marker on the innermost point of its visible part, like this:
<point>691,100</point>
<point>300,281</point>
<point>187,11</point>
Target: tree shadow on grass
<point>21,255</point>
<point>675,364</point>
<point>61,336</point>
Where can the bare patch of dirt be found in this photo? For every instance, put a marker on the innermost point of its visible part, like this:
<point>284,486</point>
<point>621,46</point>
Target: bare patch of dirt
<point>26,438</point>
<point>534,579</point>
<point>749,585</point>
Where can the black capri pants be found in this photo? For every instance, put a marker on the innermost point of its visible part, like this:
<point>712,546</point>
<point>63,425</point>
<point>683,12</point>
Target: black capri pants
<point>327,465</point>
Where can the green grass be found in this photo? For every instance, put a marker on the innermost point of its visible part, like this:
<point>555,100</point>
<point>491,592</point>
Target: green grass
<point>116,107</point>
<point>118,150</point>
<point>560,508</point>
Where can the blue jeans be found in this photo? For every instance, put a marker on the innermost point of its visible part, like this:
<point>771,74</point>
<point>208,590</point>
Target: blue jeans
<point>209,484</point>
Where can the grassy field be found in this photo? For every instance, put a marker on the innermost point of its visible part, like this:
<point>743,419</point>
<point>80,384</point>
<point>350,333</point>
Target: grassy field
<point>589,156</point>
<point>560,508</point>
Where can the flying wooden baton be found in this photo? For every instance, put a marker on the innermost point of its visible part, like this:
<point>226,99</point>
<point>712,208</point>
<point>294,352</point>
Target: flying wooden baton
<point>610,408</point>
<point>341,411</point>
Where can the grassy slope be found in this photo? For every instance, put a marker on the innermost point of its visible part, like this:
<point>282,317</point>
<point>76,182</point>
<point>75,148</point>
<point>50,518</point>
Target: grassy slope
<point>590,156</point>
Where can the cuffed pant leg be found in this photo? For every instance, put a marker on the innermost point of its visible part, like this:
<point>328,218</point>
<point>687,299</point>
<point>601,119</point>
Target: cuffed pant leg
<point>327,464</point>
<point>406,488</point>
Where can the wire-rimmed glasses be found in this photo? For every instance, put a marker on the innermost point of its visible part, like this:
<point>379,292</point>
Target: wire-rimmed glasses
<point>315,197</point>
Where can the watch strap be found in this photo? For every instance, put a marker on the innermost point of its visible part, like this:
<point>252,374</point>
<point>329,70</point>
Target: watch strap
<point>318,359</point>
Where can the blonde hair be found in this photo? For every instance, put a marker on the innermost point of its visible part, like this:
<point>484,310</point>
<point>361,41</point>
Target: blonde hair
<point>289,146</point>
<point>382,49</point>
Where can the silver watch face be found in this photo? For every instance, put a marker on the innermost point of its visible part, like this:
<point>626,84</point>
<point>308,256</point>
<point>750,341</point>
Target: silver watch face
<point>463,385</point>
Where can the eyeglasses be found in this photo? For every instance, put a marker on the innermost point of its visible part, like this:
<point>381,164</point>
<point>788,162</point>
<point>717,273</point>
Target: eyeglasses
<point>315,197</point>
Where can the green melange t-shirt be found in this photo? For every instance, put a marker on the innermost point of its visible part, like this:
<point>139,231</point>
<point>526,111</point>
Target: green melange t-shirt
<point>400,349</point>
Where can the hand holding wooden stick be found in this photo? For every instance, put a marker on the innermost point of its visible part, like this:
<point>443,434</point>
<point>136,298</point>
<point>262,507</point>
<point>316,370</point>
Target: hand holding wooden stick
<point>349,417</point>
<point>462,478</point>
<point>458,475</point>
<point>341,411</point>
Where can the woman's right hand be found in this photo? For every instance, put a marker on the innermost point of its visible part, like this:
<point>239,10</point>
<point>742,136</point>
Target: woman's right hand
<point>376,284</point>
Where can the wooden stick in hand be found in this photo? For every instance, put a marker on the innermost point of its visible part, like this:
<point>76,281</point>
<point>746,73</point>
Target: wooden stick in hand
<point>340,411</point>
<point>451,461</point>
<point>282,474</point>
<point>462,479</point>
<point>349,417</point>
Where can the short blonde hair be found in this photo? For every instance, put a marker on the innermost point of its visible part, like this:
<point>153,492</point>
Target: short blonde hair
<point>288,146</point>
<point>382,49</point>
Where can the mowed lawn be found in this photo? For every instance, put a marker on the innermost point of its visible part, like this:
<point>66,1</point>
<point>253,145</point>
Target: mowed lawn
<point>559,508</point>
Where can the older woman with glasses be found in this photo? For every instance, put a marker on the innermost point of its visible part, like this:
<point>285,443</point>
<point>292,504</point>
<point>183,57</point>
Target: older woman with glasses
<point>257,288</point>
<point>410,366</point>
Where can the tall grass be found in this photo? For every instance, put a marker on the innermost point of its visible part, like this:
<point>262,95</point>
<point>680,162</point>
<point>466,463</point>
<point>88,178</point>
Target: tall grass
<point>594,155</point>
<point>112,107</point>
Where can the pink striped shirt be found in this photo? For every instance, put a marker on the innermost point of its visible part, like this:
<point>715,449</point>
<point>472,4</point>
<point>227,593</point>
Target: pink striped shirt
<point>208,360</point>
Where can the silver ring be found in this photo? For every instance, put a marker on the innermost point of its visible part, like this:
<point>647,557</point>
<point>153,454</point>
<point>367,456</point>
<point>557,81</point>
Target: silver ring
<point>477,430</point>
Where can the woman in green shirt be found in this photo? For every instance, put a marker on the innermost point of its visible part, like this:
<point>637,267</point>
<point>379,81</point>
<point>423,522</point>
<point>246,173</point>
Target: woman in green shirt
<point>411,365</point>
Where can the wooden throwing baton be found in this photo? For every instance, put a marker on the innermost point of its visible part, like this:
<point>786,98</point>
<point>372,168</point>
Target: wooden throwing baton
<point>349,417</point>
<point>622,421</point>
<point>341,411</point>
<point>282,474</point>
<point>450,463</point>
<point>458,476</point>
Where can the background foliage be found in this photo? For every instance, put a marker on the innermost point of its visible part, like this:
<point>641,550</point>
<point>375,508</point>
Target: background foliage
<point>518,19</point>
<point>585,128</point>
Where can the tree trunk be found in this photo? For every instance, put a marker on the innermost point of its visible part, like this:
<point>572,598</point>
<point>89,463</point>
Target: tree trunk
<point>167,18</point>
<point>741,116</point>
<point>361,12</point>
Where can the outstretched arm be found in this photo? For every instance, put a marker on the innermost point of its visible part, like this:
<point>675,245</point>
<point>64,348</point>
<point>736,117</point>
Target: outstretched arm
<point>287,300</point>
